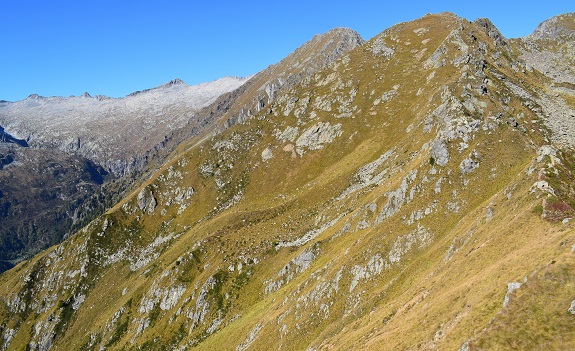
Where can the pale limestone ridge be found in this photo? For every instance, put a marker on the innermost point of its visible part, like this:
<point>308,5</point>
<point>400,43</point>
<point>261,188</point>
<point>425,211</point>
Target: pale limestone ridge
<point>111,132</point>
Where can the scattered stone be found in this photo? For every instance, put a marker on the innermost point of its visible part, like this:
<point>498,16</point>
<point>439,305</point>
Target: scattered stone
<point>290,148</point>
<point>468,165</point>
<point>378,47</point>
<point>437,188</point>
<point>513,123</point>
<point>289,134</point>
<point>267,154</point>
<point>511,287</point>
<point>543,185</point>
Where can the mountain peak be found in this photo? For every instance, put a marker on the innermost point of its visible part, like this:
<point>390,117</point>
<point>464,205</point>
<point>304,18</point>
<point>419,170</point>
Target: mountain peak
<point>342,34</point>
<point>34,97</point>
<point>491,31</point>
<point>557,27</point>
<point>343,31</point>
<point>324,48</point>
<point>173,82</point>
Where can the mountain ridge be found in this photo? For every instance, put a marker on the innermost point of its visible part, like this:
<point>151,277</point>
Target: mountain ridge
<point>414,193</point>
<point>87,127</point>
<point>60,122</point>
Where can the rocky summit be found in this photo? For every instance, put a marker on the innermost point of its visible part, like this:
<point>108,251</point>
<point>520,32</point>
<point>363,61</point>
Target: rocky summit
<point>410,192</point>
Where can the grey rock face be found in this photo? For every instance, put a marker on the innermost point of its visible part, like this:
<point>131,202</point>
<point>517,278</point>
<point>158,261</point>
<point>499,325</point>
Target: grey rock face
<point>250,338</point>
<point>465,346</point>
<point>297,265</point>
<point>341,41</point>
<point>492,31</point>
<point>317,136</point>
<point>468,165</point>
<point>440,153</point>
<point>553,29</point>
<point>396,198</point>
<point>146,200</point>
<point>378,47</point>
<point>8,336</point>
<point>202,304</point>
<point>550,50</point>
<point>289,134</point>
<point>420,237</point>
<point>264,87</point>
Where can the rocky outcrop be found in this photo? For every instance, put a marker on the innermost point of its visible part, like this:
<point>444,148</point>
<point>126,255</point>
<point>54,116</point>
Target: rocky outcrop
<point>439,153</point>
<point>315,137</point>
<point>7,138</point>
<point>146,200</point>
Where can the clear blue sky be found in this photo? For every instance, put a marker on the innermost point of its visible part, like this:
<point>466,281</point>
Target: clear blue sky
<point>62,48</point>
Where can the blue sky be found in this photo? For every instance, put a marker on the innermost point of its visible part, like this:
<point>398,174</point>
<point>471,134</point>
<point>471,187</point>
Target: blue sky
<point>62,48</point>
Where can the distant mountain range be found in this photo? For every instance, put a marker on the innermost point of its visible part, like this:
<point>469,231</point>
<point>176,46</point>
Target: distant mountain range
<point>111,132</point>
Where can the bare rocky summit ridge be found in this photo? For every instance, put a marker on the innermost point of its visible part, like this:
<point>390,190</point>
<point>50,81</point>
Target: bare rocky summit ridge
<point>262,89</point>
<point>556,28</point>
<point>414,193</point>
<point>111,132</point>
<point>550,50</point>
